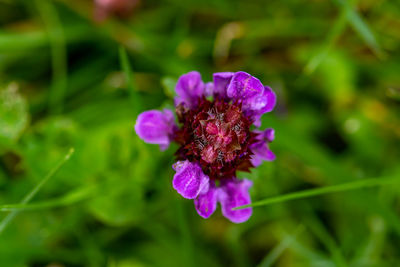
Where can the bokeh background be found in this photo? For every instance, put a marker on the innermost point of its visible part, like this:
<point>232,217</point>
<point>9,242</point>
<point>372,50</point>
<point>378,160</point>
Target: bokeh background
<point>74,76</point>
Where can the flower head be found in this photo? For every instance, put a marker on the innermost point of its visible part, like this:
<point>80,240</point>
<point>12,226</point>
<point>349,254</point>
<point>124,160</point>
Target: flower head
<point>215,138</point>
<point>122,8</point>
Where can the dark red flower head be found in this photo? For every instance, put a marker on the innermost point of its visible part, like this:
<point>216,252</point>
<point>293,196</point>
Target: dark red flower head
<point>217,135</point>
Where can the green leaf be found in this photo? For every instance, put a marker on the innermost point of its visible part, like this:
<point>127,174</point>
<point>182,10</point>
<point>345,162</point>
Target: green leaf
<point>13,114</point>
<point>118,202</point>
<point>120,171</point>
<point>169,86</point>
<point>58,53</point>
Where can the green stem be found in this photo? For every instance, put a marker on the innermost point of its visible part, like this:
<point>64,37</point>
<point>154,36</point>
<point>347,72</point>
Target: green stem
<point>323,190</point>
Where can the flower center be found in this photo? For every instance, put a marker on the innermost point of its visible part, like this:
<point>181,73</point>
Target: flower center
<point>217,135</point>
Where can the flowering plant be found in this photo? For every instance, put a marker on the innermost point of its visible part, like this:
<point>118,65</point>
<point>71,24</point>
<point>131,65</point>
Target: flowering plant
<point>122,8</point>
<point>215,138</point>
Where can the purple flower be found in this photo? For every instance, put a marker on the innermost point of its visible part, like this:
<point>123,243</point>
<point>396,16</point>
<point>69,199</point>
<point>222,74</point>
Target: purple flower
<point>215,139</point>
<point>260,147</point>
<point>122,8</point>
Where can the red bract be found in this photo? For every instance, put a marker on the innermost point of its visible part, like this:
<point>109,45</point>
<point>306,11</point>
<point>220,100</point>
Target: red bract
<point>216,134</point>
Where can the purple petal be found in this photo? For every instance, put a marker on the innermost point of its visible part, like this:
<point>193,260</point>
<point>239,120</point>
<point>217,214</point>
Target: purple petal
<point>257,120</point>
<point>221,82</point>
<point>235,193</point>
<point>261,152</point>
<point>189,179</point>
<point>189,88</point>
<point>260,148</point>
<point>156,127</point>
<point>255,98</point>
<point>269,135</point>
<point>243,86</point>
<point>261,103</point>
<point>270,99</point>
<point>208,89</point>
<point>164,147</point>
<point>206,203</point>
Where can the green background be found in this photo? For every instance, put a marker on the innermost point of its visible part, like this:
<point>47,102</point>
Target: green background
<point>67,81</point>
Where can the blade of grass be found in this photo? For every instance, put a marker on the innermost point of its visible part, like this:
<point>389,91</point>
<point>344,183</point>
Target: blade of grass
<point>58,54</point>
<point>310,255</point>
<point>129,77</point>
<point>333,170</point>
<point>373,248</point>
<point>348,14</point>
<point>235,246</point>
<point>277,251</point>
<point>360,26</point>
<point>336,31</point>
<point>319,230</point>
<point>70,198</point>
<point>188,257</point>
<point>36,189</point>
<point>372,182</point>
<point>9,42</point>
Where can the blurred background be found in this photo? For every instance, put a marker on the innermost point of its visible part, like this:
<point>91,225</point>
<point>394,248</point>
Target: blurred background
<point>75,74</point>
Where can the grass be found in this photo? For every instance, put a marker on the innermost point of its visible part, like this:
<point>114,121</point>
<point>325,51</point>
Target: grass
<point>7,220</point>
<point>372,182</point>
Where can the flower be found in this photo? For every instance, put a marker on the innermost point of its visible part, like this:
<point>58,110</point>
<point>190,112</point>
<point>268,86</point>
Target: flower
<point>215,139</point>
<point>122,8</point>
